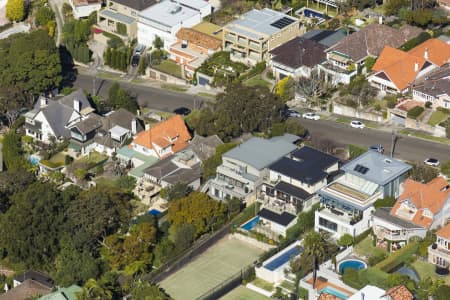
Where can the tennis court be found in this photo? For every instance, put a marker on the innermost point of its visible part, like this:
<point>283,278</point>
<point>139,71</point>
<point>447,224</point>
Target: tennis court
<point>243,293</point>
<point>224,259</point>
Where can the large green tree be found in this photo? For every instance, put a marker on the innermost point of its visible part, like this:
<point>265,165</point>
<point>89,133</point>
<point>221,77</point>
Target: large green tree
<point>15,10</point>
<point>315,246</point>
<point>120,98</point>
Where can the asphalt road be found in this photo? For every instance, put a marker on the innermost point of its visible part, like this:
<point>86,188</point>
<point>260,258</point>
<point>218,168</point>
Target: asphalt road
<point>406,148</point>
<point>151,97</point>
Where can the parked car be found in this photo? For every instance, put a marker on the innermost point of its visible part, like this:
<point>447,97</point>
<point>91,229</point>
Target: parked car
<point>184,111</point>
<point>311,116</point>
<point>357,124</point>
<point>139,49</point>
<point>293,113</point>
<point>378,148</point>
<point>135,60</point>
<point>434,162</point>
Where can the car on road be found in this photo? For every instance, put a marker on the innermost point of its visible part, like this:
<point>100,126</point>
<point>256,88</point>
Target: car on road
<point>184,111</point>
<point>293,113</point>
<point>311,116</point>
<point>378,148</point>
<point>135,60</point>
<point>434,162</point>
<point>357,124</point>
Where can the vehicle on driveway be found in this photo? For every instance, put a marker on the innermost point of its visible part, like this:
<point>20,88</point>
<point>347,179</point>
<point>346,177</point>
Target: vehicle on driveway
<point>135,60</point>
<point>434,162</point>
<point>311,116</point>
<point>357,124</point>
<point>378,148</point>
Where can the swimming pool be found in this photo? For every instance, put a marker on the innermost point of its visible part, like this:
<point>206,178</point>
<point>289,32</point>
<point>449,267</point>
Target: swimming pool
<point>154,212</point>
<point>352,264</point>
<point>34,159</point>
<point>250,224</point>
<point>282,259</point>
<point>313,14</point>
<point>335,292</point>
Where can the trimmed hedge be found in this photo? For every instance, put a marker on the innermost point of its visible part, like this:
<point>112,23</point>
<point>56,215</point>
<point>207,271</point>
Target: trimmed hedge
<point>415,112</point>
<point>397,258</point>
<point>415,41</point>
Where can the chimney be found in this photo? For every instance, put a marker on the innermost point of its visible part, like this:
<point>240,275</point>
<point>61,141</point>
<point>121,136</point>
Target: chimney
<point>134,126</point>
<point>425,55</point>
<point>76,105</point>
<point>416,67</point>
<point>380,20</point>
<point>43,102</point>
<point>147,126</point>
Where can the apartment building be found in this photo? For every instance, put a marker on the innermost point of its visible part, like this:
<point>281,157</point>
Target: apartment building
<point>255,33</point>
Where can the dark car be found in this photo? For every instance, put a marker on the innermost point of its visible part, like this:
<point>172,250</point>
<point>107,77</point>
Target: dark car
<point>184,111</point>
<point>135,60</point>
<point>378,148</point>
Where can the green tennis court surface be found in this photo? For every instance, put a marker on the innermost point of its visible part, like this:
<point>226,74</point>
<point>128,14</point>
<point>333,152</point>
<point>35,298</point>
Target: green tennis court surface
<point>243,293</point>
<point>218,263</point>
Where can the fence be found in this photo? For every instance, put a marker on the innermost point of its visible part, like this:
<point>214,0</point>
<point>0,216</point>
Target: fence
<point>184,258</point>
<point>228,285</point>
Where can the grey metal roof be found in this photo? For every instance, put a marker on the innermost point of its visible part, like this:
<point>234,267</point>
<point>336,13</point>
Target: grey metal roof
<point>116,16</point>
<point>292,190</point>
<point>327,38</point>
<point>259,21</point>
<point>384,214</point>
<point>260,153</point>
<point>381,169</point>
<point>283,219</point>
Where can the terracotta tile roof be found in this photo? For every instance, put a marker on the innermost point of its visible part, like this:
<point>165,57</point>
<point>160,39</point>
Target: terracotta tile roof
<point>400,66</point>
<point>400,292</point>
<point>162,134</point>
<point>371,40</point>
<point>444,232</point>
<point>326,296</point>
<point>198,38</point>
<point>431,196</point>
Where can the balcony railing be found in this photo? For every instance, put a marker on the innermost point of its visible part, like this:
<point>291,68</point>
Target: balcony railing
<point>389,235</point>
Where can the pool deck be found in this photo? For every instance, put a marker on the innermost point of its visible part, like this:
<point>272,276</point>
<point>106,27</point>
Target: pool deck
<point>321,284</point>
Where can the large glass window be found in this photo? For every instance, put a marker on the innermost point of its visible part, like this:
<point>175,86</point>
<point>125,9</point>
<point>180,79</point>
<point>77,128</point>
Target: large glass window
<point>327,224</point>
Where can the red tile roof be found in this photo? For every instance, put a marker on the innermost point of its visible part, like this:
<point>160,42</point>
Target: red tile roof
<point>400,292</point>
<point>431,196</point>
<point>444,232</point>
<point>163,133</point>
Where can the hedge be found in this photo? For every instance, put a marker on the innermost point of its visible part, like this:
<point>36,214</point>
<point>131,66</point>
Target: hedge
<point>397,258</point>
<point>415,41</point>
<point>415,112</point>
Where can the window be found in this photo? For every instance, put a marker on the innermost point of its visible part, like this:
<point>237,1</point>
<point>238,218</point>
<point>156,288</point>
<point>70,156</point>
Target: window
<point>327,224</point>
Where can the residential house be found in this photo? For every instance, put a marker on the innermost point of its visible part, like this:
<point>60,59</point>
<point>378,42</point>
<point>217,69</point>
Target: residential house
<point>276,222</point>
<point>369,292</point>
<point>83,8</point>
<point>251,37</point>
<point>244,167</point>
<point>421,207</point>
<point>163,139</point>
<point>68,293</point>
<point>104,134</point>
<point>28,284</point>
<point>294,179</point>
<point>399,292</point>
<point>439,252</point>
<point>345,58</point>
<point>347,202</point>
<point>395,70</point>
<point>296,58</point>
<point>204,147</point>
<point>120,16</point>
<point>167,17</point>
<point>435,88</point>
<point>54,117</point>
<point>192,48</point>
<point>328,38</point>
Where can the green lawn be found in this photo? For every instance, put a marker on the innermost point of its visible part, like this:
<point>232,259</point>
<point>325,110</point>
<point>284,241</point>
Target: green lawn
<point>263,284</point>
<point>425,269</point>
<point>57,160</point>
<point>243,293</point>
<point>169,67</point>
<point>366,248</point>
<point>437,117</point>
<point>89,161</point>
<point>425,136</point>
<point>288,285</point>
<point>257,81</point>
<point>174,87</point>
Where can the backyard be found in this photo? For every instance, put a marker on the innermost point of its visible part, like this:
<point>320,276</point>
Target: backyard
<point>425,270</point>
<point>257,81</point>
<point>365,248</point>
<point>168,67</point>
<point>89,161</point>
<point>56,161</point>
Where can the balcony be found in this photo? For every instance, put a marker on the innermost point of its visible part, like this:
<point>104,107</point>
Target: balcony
<point>338,215</point>
<point>391,235</point>
<point>353,194</point>
<point>227,188</point>
<point>230,37</point>
<point>438,251</point>
<point>332,68</point>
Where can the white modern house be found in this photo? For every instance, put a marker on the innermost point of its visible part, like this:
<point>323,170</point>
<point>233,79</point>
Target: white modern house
<point>83,8</point>
<point>165,18</point>
<point>347,202</point>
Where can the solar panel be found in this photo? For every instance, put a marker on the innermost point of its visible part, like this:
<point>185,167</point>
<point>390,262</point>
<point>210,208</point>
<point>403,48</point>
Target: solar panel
<point>361,169</point>
<point>283,22</point>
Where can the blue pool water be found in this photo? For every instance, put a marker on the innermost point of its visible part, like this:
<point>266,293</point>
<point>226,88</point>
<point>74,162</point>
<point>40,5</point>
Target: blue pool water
<point>353,264</point>
<point>154,212</point>
<point>34,160</point>
<point>312,14</point>
<point>250,224</point>
<point>334,292</point>
<point>282,259</point>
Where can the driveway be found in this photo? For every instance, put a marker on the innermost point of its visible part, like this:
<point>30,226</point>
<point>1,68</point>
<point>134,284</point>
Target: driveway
<point>17,28</point>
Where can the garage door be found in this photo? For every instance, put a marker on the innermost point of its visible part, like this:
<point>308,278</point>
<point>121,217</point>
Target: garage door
<point>397,119</point>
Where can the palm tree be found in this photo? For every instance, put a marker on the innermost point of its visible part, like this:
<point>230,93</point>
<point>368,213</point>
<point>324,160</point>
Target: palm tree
<point>92,290</point>
<point>314,245</point>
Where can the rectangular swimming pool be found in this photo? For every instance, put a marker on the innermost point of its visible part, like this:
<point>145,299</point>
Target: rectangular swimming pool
<point>154,212</point>
<point>282,259</point>
<point>250,224</point>
<point>335,292</point>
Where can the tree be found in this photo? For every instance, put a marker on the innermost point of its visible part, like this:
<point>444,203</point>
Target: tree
<point>93,290</point>
<point>442,292</point>
<point>158,43</point>
<point>177,191</point>
<point>314,246</point>
<point>15,10</point>
<point>423,173</point>
<point>445,168</point>
<point>285,89</point>
<point>120,98</point>
<point>345,240</point>
<point>146,291</point>
<point>142,65</point>
<point>313,87</point>
<point>385,202</point>
<point>12,152</point>
<point>210,165</point>
<point>43,15</point>
<point>12,182</point>
<point>368,63</point>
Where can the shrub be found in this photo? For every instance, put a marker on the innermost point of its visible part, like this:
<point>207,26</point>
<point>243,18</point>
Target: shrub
<point>121,28</point>
<point>428,104</point>
<point>355,151</point>
<point>376,258</point>
<point>68,160</point>
<point>398,257</point>
<point>422,37</point>
<point>415,112</point>
<point>385,202</point>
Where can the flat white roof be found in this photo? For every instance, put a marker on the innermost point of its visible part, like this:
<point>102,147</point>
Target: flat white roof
<point>369,292</point>
<point>168,13</point>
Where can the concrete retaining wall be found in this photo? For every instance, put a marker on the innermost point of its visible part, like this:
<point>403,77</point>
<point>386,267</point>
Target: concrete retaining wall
<point>353,113</point>
<point>251,241</point>
<point>158,75</point>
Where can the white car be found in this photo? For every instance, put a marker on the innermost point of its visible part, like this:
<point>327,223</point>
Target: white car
<point>311,116</point>
<point>357,124</point>
<point>432,162</point>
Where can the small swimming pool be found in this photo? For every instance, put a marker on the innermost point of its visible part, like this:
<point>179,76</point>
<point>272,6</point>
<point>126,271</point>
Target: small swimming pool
<point>313,14</point>
<point>335,292</point>
<point>250,224</point>
<point>352,264</point>
<point>154,212</point>
<point>34,159</point>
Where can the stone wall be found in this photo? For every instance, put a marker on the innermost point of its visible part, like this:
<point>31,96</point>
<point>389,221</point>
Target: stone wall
<point>158,75</point>
<point>348,111</point>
